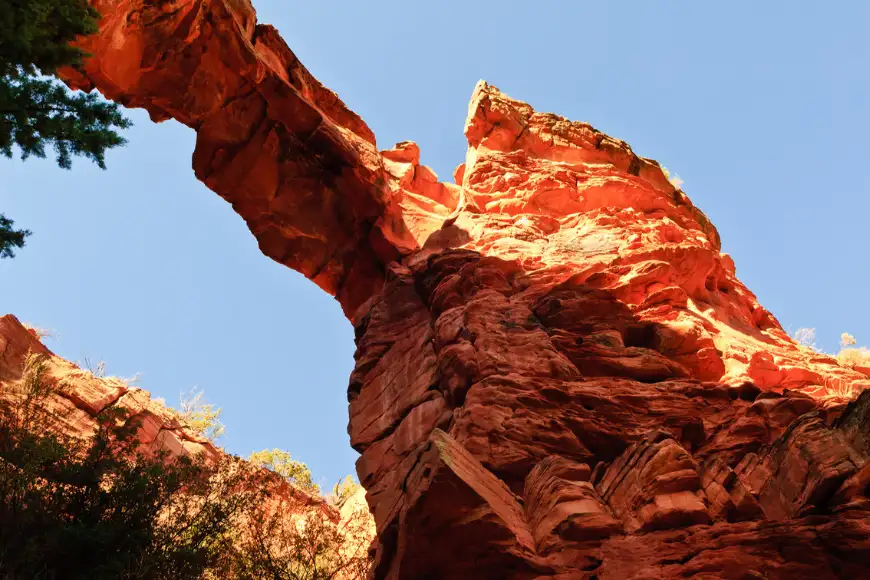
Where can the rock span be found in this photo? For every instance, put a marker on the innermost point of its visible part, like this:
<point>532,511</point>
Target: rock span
<point>558,374</point>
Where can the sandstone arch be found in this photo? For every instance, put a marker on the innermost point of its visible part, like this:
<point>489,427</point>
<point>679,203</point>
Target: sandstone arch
<point>558,373</point>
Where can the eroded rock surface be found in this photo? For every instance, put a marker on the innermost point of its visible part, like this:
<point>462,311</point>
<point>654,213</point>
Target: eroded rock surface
<point>78,397</point>
<point>558,373</point>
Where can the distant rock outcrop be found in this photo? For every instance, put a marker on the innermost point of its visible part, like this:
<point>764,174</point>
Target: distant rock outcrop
<point>78,397</point>
<point>558,373</point>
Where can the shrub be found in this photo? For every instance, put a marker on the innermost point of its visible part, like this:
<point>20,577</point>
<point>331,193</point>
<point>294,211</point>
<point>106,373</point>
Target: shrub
<point>280,462</point>
<point>40,333</point>
<point>282,545</point>
<point>806,337</point>
<point>98,507</point>
<point>849,356</point>
<point>342,491</point>
<point>202,418</point>
<point>674,179</point>
<point>854,357</point>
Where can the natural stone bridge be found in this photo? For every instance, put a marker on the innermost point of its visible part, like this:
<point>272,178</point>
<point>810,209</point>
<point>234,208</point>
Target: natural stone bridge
<point>558,374</point>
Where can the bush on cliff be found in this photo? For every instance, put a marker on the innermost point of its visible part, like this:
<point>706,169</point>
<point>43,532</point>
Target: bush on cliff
<point>280,462</point>
<point>285,542</point>
<point>36,110</point>
<point>850,355</point>
<point>98,508</point>
<point>342,491</point>
<point>201,417</point>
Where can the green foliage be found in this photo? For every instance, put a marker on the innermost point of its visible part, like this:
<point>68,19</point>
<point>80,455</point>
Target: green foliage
<point>311,547</point>
<point>98,508</point>
<point>36,35</point>
<point>283,464</point>
<point>202,418</point>
<point>37,111</point>
<point>10,238</point>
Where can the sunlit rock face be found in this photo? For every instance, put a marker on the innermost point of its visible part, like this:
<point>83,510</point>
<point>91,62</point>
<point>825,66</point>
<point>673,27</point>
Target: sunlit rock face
<point>78,397</point>
<point>558,373</point>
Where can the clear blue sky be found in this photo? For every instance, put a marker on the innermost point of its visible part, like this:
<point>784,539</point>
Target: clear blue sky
<point>760,107</point>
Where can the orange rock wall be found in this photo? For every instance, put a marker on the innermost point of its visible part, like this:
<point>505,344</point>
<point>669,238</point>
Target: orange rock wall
<point>558,373</point>
<point>78,397</point>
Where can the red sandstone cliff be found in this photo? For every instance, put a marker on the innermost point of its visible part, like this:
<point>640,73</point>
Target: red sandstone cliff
<point>78,397</point>
<point>558,373</point>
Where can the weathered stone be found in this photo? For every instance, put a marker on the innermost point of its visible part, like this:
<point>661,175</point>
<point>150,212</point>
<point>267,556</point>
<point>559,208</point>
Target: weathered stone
<point>655,485</point>
<point>560,499</point>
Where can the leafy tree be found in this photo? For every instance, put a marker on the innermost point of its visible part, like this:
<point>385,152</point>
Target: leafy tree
<point>284,545</point>
<point>36,110</point>
<point>283,464</point>
<point>201,417</point>
<point>99,508</point>
<point>290,540</point>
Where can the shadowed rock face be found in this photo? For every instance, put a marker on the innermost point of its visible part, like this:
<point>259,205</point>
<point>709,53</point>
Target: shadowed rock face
<point>558,374</point>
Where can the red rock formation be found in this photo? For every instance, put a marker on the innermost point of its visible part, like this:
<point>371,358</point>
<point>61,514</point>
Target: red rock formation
<point>78,397</point>
<point>558,373</point>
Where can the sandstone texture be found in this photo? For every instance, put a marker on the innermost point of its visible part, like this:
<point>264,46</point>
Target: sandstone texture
<point>558,373</point>
<point>78,397</point>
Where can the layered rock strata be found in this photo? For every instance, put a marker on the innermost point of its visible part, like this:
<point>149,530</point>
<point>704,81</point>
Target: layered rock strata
<point>78,397</point>
<point>558,373</point>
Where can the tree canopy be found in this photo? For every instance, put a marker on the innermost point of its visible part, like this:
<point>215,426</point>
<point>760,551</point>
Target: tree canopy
<point>100,508</point>
<point>283,464</point>
<point>36,110</point>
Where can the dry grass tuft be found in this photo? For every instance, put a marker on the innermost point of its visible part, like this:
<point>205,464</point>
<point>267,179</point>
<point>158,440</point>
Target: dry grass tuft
<point>40,333</point>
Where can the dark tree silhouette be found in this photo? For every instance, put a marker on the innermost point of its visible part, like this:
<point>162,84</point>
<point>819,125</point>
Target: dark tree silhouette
<point>36,110</point>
